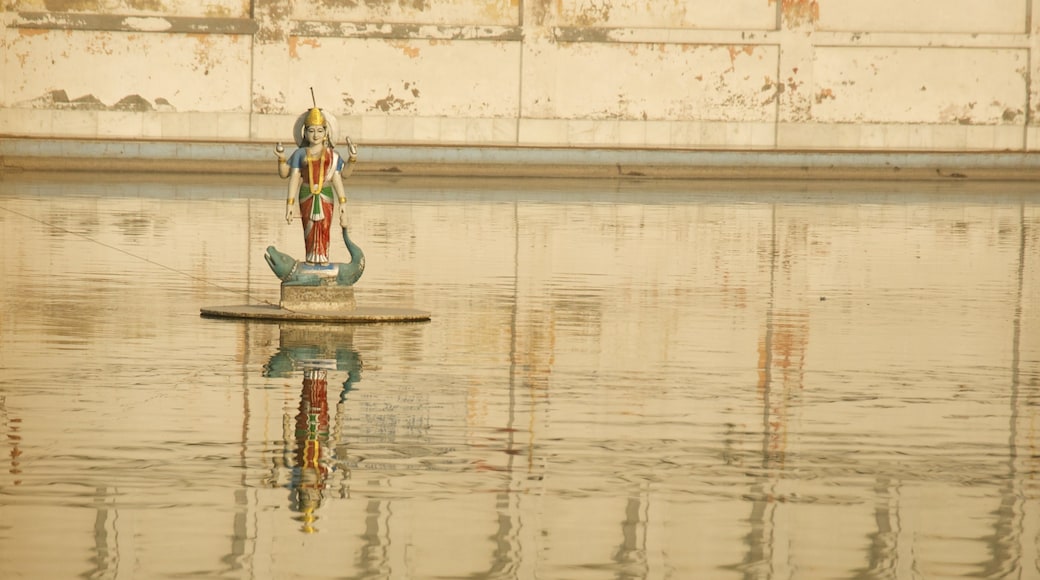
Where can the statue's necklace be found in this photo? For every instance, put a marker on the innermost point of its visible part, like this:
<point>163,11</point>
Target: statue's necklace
<point>316,187</point>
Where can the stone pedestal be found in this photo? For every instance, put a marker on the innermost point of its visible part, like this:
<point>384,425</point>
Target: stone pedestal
<point>330,304</point>
<point>329,298</point>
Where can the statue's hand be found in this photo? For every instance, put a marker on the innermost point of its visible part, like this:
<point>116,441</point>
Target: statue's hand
<point>279,152</point>
<point>352,149</point>
<point>290,213</point>
<point>342,215</point>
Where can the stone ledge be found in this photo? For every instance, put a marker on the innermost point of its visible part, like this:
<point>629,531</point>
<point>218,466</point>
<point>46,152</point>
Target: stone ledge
<point>183,157</point>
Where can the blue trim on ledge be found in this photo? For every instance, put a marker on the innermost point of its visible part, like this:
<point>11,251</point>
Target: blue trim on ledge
<point>569,156</point>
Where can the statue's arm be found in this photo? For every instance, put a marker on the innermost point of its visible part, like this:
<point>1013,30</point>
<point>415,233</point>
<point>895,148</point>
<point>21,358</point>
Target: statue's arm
<point>337,186</point>
<point>283,165</point>
<point>348,167</point>
<point>341,197</point>
<point>290,200</point>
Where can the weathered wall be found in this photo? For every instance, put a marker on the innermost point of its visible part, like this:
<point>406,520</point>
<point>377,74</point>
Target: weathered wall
<point>931,75</point>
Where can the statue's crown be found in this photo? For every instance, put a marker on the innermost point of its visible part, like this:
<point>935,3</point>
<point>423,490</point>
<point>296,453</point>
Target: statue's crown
<point>314,117</point>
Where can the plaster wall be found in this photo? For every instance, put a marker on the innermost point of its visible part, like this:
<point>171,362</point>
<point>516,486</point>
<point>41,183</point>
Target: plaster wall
<point>932,75</point>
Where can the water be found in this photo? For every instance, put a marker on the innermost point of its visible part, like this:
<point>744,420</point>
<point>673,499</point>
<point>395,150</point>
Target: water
<point>648,380</point>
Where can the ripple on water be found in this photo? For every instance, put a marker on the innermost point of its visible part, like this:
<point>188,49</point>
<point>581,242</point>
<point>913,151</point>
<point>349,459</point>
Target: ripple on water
<point>634,383</point>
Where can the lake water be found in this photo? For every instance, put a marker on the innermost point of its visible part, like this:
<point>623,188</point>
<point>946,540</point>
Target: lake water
<point>625,381</point>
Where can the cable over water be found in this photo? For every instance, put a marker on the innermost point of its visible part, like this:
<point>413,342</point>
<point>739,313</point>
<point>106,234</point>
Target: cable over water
<point>133,255</point>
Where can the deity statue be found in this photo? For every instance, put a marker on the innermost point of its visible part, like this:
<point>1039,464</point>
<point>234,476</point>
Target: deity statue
<point>316,172</point>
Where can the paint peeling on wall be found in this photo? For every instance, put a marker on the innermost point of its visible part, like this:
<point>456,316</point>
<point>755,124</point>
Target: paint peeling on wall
<point>146,5</point>
<point>394,103</point>
<point>100,44</point>
<point>508,11</point>
<point>408,49</point>
<point>593,12</point>
<point>792,84</point>
<point>541,11</point>
<point>960,113</point>
<point>265,105</point>
<point>385,5</point>
<point>485,12</point>
<point>799,12</point>
<point>202,72</point>
<point>148,24</point>
<point>823,95</point>
<point>654,82</point>
<point>71,5</point>
<point>1011,116</point>
<point>579,62</point>
<point>207,55</point>
<point>773,89</point>
<point>583,34</point>
<point>736,50</point>
<point>295,42</point>
<point>208,24</point>
<point>674,14</point>
<point>213,8</point>
<point>966,114</point>
<point>273,20</point>
<point>59,99</point>
<point>949,86</point>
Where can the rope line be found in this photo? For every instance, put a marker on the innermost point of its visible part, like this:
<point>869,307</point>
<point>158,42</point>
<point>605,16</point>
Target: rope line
<point>135,256</point>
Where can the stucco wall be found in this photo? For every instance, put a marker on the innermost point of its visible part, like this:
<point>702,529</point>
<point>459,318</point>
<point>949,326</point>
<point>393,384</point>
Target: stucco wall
<point>929,75</point>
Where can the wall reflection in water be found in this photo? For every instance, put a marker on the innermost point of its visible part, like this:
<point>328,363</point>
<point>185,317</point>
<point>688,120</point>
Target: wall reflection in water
<point>659,380</point>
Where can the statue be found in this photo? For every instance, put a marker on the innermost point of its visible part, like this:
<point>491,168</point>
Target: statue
<point>315,172</point>
<point>315,288</point>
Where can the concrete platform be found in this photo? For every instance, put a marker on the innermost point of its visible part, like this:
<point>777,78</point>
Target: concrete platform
<point>356,315</point>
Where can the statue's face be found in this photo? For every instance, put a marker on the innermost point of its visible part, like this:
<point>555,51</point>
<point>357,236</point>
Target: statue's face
<point>315,134</point>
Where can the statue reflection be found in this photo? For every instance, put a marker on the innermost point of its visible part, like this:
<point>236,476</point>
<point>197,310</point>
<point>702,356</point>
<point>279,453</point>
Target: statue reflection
<point>315,452</point>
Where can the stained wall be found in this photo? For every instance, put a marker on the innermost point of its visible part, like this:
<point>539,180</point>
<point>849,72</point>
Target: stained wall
<point>931,75</point>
